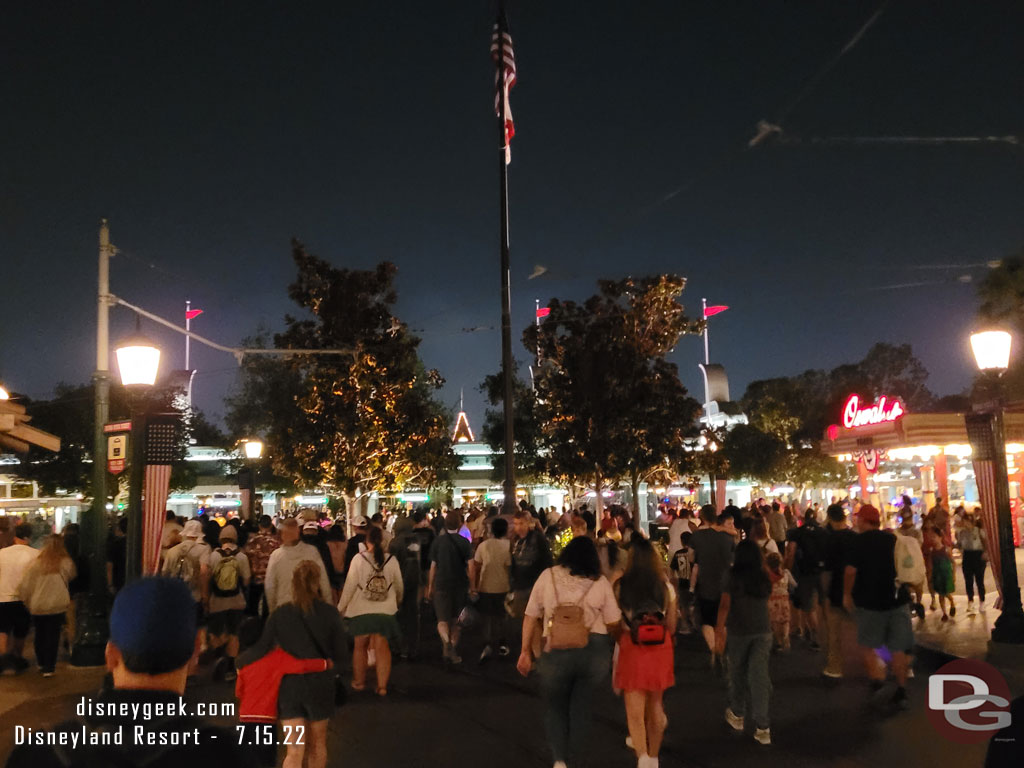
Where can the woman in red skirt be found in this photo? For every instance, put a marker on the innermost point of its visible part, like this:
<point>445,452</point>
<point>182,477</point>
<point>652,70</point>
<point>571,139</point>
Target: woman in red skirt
<point>646,659</point>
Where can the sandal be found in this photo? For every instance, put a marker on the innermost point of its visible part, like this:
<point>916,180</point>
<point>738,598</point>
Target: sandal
<point>358,686</point>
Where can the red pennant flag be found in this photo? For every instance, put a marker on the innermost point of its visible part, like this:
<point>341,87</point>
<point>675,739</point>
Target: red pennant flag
<point>709,311</point>
<point>192,314</point>
<point>543,312</point>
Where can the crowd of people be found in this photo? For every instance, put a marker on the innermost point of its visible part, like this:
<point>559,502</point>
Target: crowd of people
<point>283,606</point>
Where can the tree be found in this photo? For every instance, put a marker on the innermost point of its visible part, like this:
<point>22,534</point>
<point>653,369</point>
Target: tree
<point>70,413</point>
<point>529,463</point>
<point>608,403</point>
<point>352,423</point>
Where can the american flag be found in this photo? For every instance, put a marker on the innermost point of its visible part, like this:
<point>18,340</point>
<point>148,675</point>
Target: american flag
<point>504,80</point>
<point>154,510</point>
<point>985,477</point>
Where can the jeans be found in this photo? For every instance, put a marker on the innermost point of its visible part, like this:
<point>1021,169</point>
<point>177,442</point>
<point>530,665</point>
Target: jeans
<point>568,680</point>
<point>750,685</point>
<point>974,568</point>
<point>47,639</point>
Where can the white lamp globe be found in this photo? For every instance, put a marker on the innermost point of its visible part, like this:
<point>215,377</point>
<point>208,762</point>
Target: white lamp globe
<point>992,350</point>
<point>253,448</point>
<point>138,360</point>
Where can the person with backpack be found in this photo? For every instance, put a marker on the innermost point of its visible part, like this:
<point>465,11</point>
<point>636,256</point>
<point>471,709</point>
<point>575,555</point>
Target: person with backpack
<point>224,599</point>
<point>258,549</point>
<point>369,601</point>
<point>805,559</point>
<point>681,565</point>
<point>44,591</point>
<point>573,608</point>
<point>645,668</point>
<point>744,611</point>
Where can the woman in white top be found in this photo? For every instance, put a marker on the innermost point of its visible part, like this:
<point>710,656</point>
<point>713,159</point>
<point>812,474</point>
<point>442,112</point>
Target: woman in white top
<point>369,602</point>
<point>569,675</point>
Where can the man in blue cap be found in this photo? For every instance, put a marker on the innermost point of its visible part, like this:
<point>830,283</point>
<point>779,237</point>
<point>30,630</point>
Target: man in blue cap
<point>143,719</point>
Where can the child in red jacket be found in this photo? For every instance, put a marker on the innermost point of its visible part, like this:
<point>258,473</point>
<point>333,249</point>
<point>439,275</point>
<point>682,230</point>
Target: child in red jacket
<point>256,690</point>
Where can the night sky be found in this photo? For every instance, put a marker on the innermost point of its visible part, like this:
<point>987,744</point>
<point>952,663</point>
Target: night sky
<point>211,133</point>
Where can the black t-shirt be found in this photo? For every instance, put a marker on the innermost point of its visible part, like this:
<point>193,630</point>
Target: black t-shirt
<point>451,552</point>
<point>810,549</point>
<point>837,557</point>
<point>531,556</point>
<point>735,512</point>
<point>426,537</point>
<point>872,553</point>
<point>712,552</point>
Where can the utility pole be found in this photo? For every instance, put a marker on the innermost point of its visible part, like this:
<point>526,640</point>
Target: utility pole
<point>91,640</point>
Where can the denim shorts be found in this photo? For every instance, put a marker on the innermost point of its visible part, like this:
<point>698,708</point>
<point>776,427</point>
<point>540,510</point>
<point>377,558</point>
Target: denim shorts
<point>890,628</point>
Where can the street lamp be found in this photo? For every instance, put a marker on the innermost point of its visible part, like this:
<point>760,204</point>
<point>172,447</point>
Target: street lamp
<point>992,354</point>
<point>138,360</point>
<point>253,448</point>
<point>992,350</point>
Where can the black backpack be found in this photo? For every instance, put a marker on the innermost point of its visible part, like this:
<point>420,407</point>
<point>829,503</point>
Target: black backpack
<point>810,549</point>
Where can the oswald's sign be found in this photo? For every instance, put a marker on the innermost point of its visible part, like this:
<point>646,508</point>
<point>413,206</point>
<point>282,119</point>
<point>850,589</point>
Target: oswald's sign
<point>884,410</point>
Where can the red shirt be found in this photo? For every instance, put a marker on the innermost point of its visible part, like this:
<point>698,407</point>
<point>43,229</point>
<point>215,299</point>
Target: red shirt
<point>259,682</point>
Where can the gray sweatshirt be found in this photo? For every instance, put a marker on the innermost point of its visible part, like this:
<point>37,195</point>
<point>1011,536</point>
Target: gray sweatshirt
<point>278,583</point>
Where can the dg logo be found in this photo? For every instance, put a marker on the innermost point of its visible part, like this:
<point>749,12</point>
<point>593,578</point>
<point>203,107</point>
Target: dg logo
<point>967,701</point>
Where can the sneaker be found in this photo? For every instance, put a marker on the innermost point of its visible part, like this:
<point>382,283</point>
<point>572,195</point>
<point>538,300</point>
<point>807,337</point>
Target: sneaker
<point>945,617</point>
<point>832,675</point>
<point>19,664</point>
<point>952,608</point>
<point>503,650</point>
<point>919,610</point>
<point>763,736</point>
<point>485,654</point>
<point>910,673</point>
<point>970,606</point>
<point>735,721</point>
<point>48,673</point>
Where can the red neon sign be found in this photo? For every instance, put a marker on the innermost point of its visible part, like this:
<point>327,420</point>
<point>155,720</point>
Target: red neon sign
<point>884,410</point>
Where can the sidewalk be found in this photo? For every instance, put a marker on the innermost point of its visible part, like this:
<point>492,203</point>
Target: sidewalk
<point>966,636</point>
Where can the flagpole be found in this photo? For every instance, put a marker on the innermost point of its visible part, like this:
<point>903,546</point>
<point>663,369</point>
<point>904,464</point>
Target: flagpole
<point>704,315</point>
<point>506,291</point>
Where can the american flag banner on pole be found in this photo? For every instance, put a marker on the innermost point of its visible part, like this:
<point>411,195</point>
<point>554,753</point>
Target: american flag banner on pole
<point>504,78</point>
<point>154,509</point>
<point>985,477</point>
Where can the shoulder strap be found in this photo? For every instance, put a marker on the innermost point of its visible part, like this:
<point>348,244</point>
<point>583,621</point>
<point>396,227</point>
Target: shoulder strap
<point>312,635</point>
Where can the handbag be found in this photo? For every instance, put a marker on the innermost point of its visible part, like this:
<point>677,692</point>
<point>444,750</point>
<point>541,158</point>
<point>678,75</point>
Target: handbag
<point>340,691</point>
<point>567,627</point>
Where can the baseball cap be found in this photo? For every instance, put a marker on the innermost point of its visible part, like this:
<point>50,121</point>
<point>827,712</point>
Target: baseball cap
<point>310,527</point>
<point>153,624</point>
<point>868,514</point>
<point>229,533</point>
<point>359,521</point>
<point>193,530</point>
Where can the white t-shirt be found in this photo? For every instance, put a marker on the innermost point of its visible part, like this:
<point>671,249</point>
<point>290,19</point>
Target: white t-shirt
<point>678,528</point>
<point>600,607</point>
<point>14,561</point>
<point>495,559</point>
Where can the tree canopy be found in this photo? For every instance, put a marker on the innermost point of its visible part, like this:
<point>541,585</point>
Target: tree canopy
<point>608,403</point>
<point>352,423</point>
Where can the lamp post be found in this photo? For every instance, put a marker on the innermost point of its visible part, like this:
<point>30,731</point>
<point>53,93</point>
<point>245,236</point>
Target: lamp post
<point>253,450</point>
<point>992,354</point>
<point>138,361</point>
